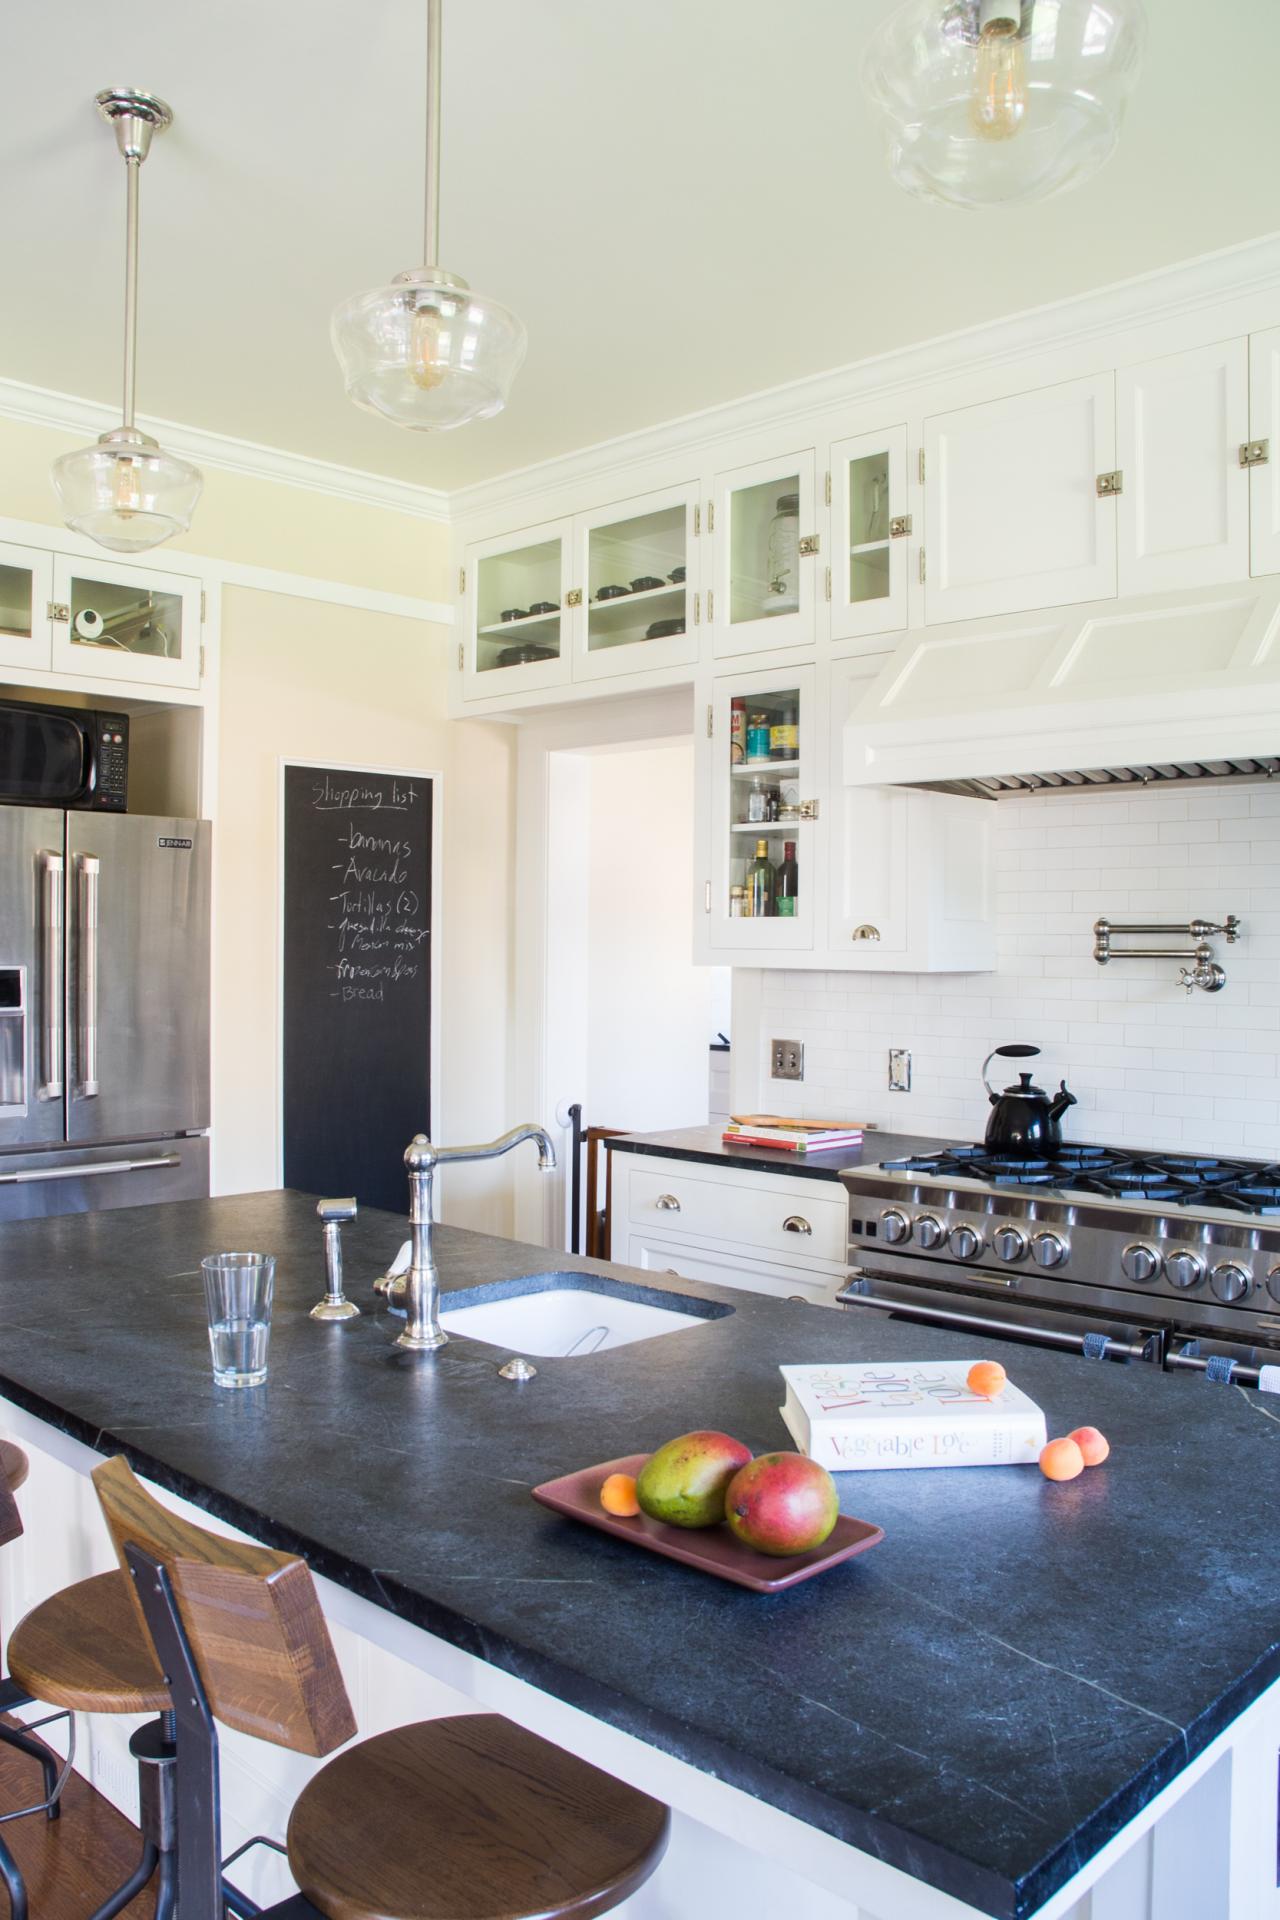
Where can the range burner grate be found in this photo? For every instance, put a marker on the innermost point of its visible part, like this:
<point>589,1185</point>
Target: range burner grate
<point>1166,1179</point>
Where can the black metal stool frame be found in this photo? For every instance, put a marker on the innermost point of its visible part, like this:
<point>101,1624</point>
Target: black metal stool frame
<point>54,1777</point>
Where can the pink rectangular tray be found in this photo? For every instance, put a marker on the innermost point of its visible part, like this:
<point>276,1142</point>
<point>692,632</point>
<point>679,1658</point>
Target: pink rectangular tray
<point>711,1549</point>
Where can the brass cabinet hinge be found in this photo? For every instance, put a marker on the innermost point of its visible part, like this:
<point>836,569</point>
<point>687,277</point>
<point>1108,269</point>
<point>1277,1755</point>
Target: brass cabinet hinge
<point>574,597</point>
<point>711,516</point>
<point>462,579</point>
<point>697,520</point>
<point>1255,453</point>
<point>828,583</point>
<point>920,461</point>
<point>809,545</point>
<point>460,657</point>
<point>707,898</point>
<point>711,720</point>
<point>827,489</point>
<point>922,567</point>
<point>57,610</point>
<point>900,526</point>
<point>711,603</point>
<point>204,605</point>
<point>202,663</point>
<point>1110,484</point>
<point>697,608</point>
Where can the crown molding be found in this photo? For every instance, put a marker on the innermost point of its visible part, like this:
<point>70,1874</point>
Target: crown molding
<point>41,407</point>
<point>1233,273</point>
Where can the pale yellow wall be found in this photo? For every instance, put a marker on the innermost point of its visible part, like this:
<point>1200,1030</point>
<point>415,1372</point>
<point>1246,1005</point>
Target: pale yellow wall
<point>257,523</point>
<point>306,681</point>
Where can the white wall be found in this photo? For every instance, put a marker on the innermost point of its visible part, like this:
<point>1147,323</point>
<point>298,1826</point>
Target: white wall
<point>648,1007</point>
<point>1150,1065</point>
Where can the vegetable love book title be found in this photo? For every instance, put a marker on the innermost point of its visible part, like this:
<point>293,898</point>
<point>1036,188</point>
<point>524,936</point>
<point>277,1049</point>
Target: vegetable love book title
<point>858,1416</point>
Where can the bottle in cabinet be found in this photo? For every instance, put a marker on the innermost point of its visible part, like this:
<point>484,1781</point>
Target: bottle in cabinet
<point>786,885</point>
<point>758,904</point>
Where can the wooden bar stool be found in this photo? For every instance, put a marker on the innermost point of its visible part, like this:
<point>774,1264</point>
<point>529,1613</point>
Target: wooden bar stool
<point>14,1467</point>
<point>468,1818</point>
<point>85,1651</point>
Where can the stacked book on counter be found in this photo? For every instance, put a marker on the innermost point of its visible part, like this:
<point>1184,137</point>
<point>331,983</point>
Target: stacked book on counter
<point>791,1136</point>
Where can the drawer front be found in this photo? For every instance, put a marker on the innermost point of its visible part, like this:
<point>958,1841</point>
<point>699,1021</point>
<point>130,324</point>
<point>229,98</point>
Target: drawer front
<point>769,1214</point>
<point>723,1269</point>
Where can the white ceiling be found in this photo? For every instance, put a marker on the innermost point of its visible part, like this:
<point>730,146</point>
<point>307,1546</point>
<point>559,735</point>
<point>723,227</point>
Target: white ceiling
<point>684,199</point>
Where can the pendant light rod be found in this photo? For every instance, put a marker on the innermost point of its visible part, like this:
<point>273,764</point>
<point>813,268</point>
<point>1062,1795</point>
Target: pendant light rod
<point>431,219</point>
<point>132,169</point>
<point>133,116</point>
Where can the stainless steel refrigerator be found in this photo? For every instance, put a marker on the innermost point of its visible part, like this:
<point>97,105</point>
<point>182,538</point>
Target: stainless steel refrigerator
<point>104,1010</point>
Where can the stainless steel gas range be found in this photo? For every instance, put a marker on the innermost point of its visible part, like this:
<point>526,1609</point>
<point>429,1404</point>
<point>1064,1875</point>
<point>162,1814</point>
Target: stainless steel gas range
<point>1168,1259</point>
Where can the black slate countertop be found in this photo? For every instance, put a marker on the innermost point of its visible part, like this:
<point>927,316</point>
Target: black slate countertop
<point>707,1144</point>
<point>983,1700</point>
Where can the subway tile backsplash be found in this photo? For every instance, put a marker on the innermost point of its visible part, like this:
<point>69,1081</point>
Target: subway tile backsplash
<point>1150,1065</point>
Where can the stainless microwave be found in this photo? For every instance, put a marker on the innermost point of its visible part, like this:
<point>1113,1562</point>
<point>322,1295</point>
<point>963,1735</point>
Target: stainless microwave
<point>63,757</point>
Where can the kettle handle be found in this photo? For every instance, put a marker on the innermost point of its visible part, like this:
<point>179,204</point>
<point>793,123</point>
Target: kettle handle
<point>1005,1053</point>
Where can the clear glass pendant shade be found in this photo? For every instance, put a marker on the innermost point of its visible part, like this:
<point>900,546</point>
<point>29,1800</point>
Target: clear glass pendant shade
<point>126,492</point>
<point>427,352</point>
<point>986,105</point>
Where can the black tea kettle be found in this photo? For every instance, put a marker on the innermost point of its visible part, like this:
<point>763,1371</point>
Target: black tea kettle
<point>1024,1120</point>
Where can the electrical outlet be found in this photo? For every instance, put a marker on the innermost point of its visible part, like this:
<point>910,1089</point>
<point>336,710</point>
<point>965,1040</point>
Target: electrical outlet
<point>899,1070</point>
<point>788,1060</point>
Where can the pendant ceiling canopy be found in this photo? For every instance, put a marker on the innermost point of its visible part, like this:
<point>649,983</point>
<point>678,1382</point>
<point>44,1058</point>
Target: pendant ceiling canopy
<point>426,351</point>
<point>126,492</point>
<point>991,102</point>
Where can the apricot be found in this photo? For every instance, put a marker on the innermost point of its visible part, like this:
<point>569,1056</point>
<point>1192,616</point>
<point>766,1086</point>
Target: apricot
<point>618,1496</point>
<point>1093,1445</point>
<point>987,1378</point>
<point>1061,1460</point>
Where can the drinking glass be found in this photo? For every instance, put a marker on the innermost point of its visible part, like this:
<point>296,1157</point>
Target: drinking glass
<point>238,1288</point>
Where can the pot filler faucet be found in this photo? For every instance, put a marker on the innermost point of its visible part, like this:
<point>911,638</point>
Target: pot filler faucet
<point>422,1329</point>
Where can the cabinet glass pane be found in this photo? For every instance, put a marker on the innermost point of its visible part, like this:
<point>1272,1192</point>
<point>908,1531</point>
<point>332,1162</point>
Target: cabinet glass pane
<point>636,579</point>
<point>764,773</point>
<point>15,603</point>
<point>869,528</point>
<point>764,550</point>
<point>135,619</point>
<point>518,607</point>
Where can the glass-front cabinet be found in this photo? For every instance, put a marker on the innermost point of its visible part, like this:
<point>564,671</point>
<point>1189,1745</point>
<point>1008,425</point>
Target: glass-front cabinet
<point>125,623</point>
<point>764,780</point>
<point>26,587</point>
<point>517,591</point>
<point>870,535</point>
<point>766,543</point>
<point>640,605</point>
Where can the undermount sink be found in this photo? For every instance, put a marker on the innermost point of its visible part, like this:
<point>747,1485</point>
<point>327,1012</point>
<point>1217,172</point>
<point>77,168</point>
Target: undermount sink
<point>572,1315</point>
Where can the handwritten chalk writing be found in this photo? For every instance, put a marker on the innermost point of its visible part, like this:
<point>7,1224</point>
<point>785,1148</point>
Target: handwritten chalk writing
<point>392,796</point>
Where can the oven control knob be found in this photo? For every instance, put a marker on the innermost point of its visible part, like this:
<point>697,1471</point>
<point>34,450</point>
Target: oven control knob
<point>1273,1283</point>
<point>1009,1242</point>
<point>1140,1263</point>
<point>929,1231</point>
<point>894,1226</point>
<point>1048,1250</point>
<point>1230,1282</point>
<point>1185,1269</point>
<point>965,1242</point>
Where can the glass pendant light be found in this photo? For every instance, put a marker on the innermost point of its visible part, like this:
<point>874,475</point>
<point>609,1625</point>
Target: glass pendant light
<point>426,352</point>
<point>988,102</point>
<point>126,492</point>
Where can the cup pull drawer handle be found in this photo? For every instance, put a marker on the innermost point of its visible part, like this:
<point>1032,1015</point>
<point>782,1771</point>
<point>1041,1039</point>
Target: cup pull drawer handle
<point>667,1203</point>
<point>796,1223</point>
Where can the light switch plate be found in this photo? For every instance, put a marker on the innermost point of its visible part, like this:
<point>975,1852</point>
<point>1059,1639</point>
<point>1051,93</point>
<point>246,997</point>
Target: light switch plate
<point>899,1070</point>
<point>787,1057</point>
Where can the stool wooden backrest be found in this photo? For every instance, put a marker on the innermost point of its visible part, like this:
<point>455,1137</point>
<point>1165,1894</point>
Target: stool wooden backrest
<point>13,1471</point>
<point>251,1615</point>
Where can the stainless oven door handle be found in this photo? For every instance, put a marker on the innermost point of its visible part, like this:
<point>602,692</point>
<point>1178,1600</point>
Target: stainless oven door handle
<point>88,868</point>
<point>52,957</point>
<point>984,1323</point>
<point>82,1173</point>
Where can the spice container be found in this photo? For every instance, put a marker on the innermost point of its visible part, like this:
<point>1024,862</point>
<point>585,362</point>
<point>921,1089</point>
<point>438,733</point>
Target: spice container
<point>737,900</point>
<point>757,802</point>
<point>758,731</point>
<point>737,732</point>
<point>784,737</point>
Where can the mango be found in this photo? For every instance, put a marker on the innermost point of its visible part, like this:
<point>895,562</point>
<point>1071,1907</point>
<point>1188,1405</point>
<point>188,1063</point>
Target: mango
<point>782,1503</point>
<point>684,1482</point>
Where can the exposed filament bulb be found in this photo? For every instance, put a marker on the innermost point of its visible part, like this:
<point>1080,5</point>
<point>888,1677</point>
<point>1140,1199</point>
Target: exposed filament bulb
<point>999,102</point>
<point>428,348</point>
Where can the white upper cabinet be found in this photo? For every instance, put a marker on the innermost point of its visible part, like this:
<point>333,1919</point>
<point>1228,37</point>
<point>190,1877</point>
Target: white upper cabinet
<point>639,606</point>
<point>515,613</point>
<point>26,590</point>
<point>765,544</point>
<point>1184,505</point>
<point>114,622</point>
<point>1013,514</point>
<point>1264,426</point>
<point>870,525</point>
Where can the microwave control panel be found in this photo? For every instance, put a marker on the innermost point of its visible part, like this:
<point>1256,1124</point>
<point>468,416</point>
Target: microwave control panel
<point>111,788</point>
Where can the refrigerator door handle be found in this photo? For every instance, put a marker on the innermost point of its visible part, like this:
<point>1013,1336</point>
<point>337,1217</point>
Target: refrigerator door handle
<point>88,867</point>
<point>52,956</point>
<point>26,1177</point>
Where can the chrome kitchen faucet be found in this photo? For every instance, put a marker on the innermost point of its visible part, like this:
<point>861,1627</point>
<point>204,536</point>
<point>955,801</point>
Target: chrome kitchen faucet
<point>421,1285</point>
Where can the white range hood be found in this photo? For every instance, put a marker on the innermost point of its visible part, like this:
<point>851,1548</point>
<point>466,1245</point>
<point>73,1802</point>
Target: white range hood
<point>1173,686</point>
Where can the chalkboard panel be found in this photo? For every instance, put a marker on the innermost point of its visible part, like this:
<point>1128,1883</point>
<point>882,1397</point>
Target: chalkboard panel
<point>357,979</point>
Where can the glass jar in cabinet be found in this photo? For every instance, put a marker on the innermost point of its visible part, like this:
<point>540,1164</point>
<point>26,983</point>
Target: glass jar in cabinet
<point>871,535</point>
<point>516,595</point>
<point>766,549</point>
<point>760,765</point>
<point>640,599</point>
<point>26,596</point>
<point>113,622</point>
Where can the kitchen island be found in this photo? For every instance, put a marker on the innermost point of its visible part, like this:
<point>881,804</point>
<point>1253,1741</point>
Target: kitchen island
<point>1025,1692</point>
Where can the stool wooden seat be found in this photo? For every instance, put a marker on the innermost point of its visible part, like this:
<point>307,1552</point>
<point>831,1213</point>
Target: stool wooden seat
<point>14,1465</point>
<point>471,1818</point>
<point>86,1649</point>
<point>468,1818</point>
